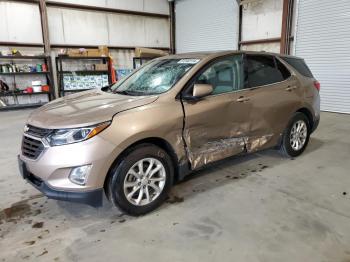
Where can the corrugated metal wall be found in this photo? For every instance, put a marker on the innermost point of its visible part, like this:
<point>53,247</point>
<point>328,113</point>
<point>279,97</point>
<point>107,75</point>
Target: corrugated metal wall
<point>206,25</point>
<point>323,39</point>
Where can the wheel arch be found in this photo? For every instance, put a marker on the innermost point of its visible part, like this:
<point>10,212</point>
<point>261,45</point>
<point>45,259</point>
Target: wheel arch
<point>308,114</point>
<point>157,141</point>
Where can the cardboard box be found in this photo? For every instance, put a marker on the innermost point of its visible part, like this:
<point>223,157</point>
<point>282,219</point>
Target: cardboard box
<point>93,52</point>
<point>101,67</point>
<point>100,51</point>
<point>149,52</point>
<point>77,52</point>
<point>103,50</point>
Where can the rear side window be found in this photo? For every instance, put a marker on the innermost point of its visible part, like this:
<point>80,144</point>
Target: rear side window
<point>299,65</point>
<point>283,70</point>
<point>261,70</point>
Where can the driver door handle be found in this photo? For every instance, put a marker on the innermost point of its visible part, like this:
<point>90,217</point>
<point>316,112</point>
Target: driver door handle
<point>291,88</point>
<point>243,99</point>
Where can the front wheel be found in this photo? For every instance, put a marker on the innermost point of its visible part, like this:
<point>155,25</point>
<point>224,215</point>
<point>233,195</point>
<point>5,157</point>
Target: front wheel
<point>141,181</point>
<point>296,136</point>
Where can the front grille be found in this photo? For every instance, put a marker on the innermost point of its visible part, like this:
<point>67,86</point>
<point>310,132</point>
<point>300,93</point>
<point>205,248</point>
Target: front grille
<point>31,148</point>
<point>37,131</point>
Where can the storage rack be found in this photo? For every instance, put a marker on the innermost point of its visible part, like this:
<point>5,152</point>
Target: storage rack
<point>15,93</point>
<point>139,61</point>
<point>61,72</point>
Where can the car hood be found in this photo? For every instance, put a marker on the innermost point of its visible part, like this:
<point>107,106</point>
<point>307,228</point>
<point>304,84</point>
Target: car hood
<point>84,109</point>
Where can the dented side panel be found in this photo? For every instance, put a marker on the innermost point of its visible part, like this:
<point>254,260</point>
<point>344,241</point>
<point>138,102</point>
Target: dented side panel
<point>215,127</point>
<point>214,151</point>
<point>219,126</point>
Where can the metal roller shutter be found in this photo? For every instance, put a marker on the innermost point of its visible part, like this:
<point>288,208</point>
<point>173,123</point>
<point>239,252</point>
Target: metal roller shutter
<point>323,39</point>
<point>206,25</point>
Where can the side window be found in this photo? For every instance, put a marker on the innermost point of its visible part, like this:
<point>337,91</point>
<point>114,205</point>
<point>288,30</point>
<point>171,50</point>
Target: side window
<point>283,70</point>
<point>299,65</point>
<point>225,75</point>
<point>261,70</point>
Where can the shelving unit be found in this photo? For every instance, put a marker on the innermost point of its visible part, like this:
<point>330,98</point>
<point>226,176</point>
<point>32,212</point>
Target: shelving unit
<point>139,61</point>
<point>14,98</point>
<point>26,73</point>
<point>63,61</point>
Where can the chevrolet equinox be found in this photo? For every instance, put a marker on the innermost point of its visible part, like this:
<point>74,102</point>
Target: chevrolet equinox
<point>134,139</point>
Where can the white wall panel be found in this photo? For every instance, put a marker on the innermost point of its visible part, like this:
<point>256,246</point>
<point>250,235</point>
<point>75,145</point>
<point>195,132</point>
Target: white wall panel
<point>99,3</point>
<point>126,30</point>
<point>206,25</point>
<point>4,34</point>
<point>55,20</point>
<point>267,47</point>
<point>156,6</point>
<point>262,19</point>
<point>151,6</point>
<point>20,22</point>
<point>134,5</point>
<point>323,40</point>
<point>77,27</point>
<point>98,28</point>
<point>85,27</point>
<point>157,32</point>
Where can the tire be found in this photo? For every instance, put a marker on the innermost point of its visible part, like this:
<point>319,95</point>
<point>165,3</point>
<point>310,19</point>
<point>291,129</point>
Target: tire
<point>288,146</point>
<point>126,178</point>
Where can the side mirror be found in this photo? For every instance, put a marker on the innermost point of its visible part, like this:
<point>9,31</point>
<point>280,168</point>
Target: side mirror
<point>202,90</point>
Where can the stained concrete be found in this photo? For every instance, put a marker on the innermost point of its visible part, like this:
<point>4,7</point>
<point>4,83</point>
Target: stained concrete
<point>260,207</point>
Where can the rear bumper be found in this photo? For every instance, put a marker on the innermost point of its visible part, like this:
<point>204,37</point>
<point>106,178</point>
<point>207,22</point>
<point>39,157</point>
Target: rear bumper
<point>92,198</point>
<point>315,125</point>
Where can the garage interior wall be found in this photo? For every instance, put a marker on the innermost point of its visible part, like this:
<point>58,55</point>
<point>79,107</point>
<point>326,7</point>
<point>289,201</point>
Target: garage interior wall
<point>206,25</point>
<point>28,30</point>
<point>78,27</point>
<point>151,6</point>
<point>323,40</point>
<point>261,25</point>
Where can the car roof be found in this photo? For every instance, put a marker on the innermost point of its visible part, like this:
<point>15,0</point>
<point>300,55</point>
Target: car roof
<point>213,54</point>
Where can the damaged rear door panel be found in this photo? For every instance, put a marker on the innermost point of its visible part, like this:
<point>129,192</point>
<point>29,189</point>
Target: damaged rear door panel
<point>275,95</point>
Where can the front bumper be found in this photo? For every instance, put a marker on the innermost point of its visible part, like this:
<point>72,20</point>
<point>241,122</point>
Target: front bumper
<point>54,164</point>
<point>92,198</point>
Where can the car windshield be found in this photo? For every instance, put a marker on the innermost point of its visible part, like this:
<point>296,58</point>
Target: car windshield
<point>156,77</point>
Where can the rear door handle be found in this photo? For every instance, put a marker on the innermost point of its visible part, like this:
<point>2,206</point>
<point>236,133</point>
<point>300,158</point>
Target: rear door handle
<point>291,88</point>
<point>243,99</point>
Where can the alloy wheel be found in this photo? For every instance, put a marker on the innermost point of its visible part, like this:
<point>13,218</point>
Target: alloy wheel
<point>144,181</point>
<point>298,135</point>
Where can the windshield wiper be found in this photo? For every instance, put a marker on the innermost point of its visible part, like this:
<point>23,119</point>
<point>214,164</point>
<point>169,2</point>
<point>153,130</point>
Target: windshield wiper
<point>124,92</point>
<point>129,93</point>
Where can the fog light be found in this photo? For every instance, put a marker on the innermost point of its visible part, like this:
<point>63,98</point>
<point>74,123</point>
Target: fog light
<point>79,174</point>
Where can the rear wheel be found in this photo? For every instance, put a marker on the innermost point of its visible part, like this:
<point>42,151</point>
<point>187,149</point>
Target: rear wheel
<point>296,136</point>
<point>141,181</point>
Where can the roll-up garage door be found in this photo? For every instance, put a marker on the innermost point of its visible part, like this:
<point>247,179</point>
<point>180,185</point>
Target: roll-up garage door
<point>323,39</point>
<point>206,25</point>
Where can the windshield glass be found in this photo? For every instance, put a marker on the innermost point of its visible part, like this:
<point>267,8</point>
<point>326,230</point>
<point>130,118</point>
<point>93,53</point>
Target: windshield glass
<point>155,77</point>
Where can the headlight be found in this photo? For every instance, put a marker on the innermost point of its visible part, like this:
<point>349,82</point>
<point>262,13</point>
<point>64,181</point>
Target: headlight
<point>73,135</point>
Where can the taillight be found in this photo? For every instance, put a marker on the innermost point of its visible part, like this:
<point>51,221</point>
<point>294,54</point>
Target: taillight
<point>317,85</point>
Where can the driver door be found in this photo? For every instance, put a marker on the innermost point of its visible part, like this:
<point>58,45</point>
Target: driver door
<point>215,126</point>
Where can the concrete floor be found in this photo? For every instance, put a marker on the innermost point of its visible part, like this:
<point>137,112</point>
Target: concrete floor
<point>259,207</point>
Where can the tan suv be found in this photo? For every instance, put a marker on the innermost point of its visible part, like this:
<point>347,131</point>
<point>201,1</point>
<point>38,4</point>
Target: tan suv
<point>134,139</point>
